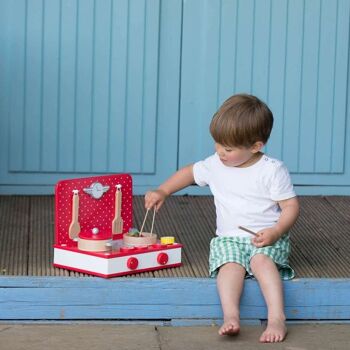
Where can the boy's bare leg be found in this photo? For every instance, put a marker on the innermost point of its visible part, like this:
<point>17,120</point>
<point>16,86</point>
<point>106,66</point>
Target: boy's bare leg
<point>266,272</point>
<point>230,285</point>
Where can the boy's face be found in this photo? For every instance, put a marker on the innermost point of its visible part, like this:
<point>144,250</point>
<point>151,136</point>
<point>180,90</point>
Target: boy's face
<point>238,156</point>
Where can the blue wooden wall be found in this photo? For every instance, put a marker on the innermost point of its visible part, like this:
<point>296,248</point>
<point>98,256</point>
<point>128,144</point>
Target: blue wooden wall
<point>105,86</point>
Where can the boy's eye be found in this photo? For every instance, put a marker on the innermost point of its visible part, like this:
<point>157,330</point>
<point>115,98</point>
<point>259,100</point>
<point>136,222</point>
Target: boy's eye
<point>228,149</point>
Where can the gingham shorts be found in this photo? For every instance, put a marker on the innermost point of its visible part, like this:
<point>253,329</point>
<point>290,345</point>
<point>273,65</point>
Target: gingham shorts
<point>240,250</point>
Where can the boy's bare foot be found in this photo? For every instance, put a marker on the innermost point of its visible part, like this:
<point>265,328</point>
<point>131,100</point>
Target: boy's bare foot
<point>230,327</point>
<point>275,332</point>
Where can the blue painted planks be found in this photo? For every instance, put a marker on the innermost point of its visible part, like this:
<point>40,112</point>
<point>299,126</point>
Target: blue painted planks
<point>158,298</point>
<point>130,86</point>
<point>84,86</point>
<point>289,54</point>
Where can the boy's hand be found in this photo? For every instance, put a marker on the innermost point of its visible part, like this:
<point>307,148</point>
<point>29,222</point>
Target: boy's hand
<point>266,237</point>
<point>155,199</point>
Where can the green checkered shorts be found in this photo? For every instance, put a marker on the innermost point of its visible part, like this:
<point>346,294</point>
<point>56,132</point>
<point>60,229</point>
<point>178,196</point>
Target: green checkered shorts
<point>240,250</point>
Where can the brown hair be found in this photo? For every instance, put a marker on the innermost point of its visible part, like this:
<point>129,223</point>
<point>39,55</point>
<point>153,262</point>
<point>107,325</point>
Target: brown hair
<point>241,121</point>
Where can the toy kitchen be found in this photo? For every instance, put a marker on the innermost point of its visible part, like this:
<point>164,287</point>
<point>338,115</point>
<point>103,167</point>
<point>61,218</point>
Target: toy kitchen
<point>94,233</point>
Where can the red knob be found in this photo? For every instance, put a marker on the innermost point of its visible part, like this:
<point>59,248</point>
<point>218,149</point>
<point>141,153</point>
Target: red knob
<point>162,258</point>
<point>132,263</point>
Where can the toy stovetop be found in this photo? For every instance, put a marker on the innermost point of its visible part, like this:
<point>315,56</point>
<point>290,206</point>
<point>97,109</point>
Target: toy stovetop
<point>95,213</point>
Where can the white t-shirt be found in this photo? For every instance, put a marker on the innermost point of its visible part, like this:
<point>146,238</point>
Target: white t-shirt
<point>245,196</point>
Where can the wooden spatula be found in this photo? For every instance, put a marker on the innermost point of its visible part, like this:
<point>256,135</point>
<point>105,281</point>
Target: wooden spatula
<point>117,223</point>
<point>74,227</point>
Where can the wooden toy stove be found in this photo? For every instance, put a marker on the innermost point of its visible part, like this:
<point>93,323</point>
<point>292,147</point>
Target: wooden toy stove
<point>93,218</point>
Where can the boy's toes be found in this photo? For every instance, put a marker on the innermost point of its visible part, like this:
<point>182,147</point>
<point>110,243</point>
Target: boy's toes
<point>230,327</point>
<point>274,333</point>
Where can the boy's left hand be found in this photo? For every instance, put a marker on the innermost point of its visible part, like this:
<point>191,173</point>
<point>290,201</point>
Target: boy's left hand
<point>266,237</point>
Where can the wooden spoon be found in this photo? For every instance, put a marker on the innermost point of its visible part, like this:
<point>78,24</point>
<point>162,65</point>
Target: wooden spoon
<point>74,227</point>
<point>117,223</point>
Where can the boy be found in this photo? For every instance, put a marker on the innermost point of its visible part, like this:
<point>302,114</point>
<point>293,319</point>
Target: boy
<point>250,190</point>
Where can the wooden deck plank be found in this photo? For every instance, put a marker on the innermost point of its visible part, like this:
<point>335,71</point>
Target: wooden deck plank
<point>190,231</point>
<point>14,226</point>
<point>341,204</point>
<point>320,234</point>
<point>320,244</point>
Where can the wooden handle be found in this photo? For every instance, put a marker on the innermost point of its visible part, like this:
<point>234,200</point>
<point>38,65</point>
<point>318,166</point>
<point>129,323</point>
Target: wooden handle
<point>144,220</point>
<point>75,207</point>
<point>118,203</point>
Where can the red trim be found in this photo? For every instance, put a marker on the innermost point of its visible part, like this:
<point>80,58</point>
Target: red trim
<point>116,274</point>
<point>107,255</point>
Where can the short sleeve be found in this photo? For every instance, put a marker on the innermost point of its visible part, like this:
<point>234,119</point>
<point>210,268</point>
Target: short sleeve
<point>281,186</point>
<point>201,172</point>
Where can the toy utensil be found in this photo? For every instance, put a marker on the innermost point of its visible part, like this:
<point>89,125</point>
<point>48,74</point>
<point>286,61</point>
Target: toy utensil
<point>74,227</point>
<point>117,223</point>
<point>247,230</point>
<point>144,220</point>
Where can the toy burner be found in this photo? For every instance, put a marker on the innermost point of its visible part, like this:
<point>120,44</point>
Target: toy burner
<point>93,230</point>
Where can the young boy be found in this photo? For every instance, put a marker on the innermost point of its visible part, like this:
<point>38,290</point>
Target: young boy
<point>253,191</point>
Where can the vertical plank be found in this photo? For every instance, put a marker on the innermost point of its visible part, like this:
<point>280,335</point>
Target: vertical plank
<point>309,85</point>
<point>290,146</point>
<point>135,71</point>
<point>141,49</point>
<point>276,92</point>
<point>340,87</point>
<point>191,56</point>
<point>101,71</point>
<point>244,48</point>
<point>6,20</point>
<point>118,84</point>
<point>168,88</point>
<point>84,85</point>
<point>33,85</point>
<point>150,87</point>
<point>50,78</point>
<point>227,53</point>
<point>260,68</point>
<point>325,119</point>
<point>199,78</point>
<point>67,88</point>
<point>17,86</point>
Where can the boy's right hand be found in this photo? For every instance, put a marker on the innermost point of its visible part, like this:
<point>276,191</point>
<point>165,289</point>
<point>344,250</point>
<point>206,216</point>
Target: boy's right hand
<point>155,199</point>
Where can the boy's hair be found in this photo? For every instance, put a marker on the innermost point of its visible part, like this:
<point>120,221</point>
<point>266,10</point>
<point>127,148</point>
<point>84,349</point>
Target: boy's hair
<point>241,121</point>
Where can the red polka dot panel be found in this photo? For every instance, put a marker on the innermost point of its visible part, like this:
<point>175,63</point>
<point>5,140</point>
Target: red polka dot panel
<point>96,208</point>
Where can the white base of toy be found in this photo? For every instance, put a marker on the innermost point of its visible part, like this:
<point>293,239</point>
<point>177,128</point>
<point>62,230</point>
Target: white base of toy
<point>115,266</point>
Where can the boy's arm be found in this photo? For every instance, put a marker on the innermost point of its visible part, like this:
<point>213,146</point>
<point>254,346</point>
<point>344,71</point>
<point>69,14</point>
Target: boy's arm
<point>181,179</point>
<point>289,215</point>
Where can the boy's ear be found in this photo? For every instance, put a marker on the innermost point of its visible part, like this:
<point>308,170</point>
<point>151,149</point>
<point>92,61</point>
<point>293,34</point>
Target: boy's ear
<point>257,147</point>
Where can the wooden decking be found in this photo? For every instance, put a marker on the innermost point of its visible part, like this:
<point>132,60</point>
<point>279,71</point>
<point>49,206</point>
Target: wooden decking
<point>320,239</point>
